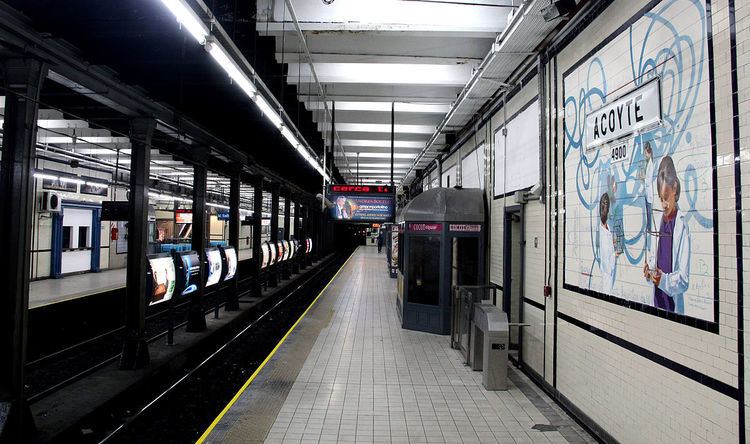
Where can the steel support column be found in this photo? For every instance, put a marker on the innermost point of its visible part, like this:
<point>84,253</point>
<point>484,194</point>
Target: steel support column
<point>273,277</point>
<point>135,350</point>
<point>234,236</point>
<point>196,321</point>
<point>22,79</point>
<point>257,231</point>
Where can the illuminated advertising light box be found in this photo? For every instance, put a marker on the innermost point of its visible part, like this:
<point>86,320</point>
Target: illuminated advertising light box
<point>362,203</point>
<point>292,249</point>
<point>274,253</point>
<point>287,250</point>
<point>189,270</point>
<point>308,245</point>
<point>266,255</point>
<point>230,259</point>
<point>280,251</point>
<point>183,216</point>
<point>213,271</point>
<point>162,283</point>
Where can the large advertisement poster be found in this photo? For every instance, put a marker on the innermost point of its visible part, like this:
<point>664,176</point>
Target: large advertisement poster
<point>213,272</point>
<point>639,168</point>
<point>162,279</point>
<point>362,207</point>
<point>190,270</point>
<point>231,256</point>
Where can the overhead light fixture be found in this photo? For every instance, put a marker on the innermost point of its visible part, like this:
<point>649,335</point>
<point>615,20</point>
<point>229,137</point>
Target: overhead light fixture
<point>222,58</point>
<point>72,180</point>
<point>287,133</point>
<point>269,112</point>
<point>45,176</point>
<point>97,184</point>
<point>187,18</point>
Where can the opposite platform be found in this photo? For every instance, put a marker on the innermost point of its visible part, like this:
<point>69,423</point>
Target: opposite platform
<point>350,373</point>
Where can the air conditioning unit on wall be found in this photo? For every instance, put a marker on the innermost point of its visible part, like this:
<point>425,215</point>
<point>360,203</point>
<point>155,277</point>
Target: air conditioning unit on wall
<point>51,202</point>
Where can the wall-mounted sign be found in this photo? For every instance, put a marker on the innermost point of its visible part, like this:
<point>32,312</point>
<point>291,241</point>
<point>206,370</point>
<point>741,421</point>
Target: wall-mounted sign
<point>360,189</point>
<point>466,228</point>
<point>222,215</point>
<point>183,216</point>
<point>638,110</point>
<point>430,228</point>
<point>59,185</point>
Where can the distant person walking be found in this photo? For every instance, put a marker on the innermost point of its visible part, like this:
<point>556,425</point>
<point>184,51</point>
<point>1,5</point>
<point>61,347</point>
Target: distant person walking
<point>380,241</point>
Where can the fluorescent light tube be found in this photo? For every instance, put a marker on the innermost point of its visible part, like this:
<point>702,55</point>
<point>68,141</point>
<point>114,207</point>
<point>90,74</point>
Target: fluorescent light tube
<point>222,58</point>
<point>72,180</point>
<point>97,184</point>
<point>187,18</point>
<point>45,176</point>
<point>289,136</point>
<point>269,112</point>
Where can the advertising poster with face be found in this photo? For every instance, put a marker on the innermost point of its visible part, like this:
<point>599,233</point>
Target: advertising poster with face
<point>362,208</point>
<point>162,279</point>
<point>213,272</point>
<point>231,254</point>
<point>190,270</point>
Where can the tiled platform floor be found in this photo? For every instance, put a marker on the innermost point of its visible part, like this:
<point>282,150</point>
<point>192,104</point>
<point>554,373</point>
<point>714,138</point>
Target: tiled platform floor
<point>366,379</point>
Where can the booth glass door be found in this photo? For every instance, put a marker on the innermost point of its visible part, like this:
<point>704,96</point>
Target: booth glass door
<point>424,270</point>
<point>465,267</point>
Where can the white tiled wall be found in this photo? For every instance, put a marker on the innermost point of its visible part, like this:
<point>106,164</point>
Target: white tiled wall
<point>742,29</point>
<point>631,397</point>
<point>635,399</point>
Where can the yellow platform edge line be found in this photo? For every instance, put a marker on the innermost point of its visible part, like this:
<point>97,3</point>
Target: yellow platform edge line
<point>268,358</point>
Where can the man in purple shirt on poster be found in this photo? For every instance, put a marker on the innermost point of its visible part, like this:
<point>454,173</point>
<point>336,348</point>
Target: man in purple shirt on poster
<point>671,271</point>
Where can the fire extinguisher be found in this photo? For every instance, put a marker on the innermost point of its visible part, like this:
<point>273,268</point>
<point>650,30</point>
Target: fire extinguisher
<point>113,232</point>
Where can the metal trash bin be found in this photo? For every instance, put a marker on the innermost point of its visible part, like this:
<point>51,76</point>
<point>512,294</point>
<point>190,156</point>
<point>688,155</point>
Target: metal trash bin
<point>489,345</point>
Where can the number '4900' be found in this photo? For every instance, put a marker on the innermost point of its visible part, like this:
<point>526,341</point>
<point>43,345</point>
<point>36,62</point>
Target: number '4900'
<point>619,152</point>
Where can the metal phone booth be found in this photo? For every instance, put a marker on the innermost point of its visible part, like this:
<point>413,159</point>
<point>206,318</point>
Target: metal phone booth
<point>443,246</point>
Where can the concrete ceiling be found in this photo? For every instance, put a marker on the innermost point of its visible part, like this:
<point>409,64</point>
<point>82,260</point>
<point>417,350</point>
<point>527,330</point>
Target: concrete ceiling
<point>416,54</point>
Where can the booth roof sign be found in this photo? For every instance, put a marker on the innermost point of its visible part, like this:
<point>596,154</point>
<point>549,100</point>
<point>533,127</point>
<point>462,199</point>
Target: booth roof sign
<point>360,189</point>
<point>471,228</point>
<point>426,227</point>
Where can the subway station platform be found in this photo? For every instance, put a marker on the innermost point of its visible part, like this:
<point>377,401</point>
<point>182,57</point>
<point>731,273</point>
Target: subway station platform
<point>348,372</point>
<point>52,291</point>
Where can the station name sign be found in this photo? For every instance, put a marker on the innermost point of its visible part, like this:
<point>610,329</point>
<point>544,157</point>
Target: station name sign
<point>638,110</point>
<point>360,189</point>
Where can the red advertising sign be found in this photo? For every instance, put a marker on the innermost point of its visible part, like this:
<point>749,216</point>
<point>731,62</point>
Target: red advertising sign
<point>360,189</point>
<point>426,227</point>
<point>466,228</point>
